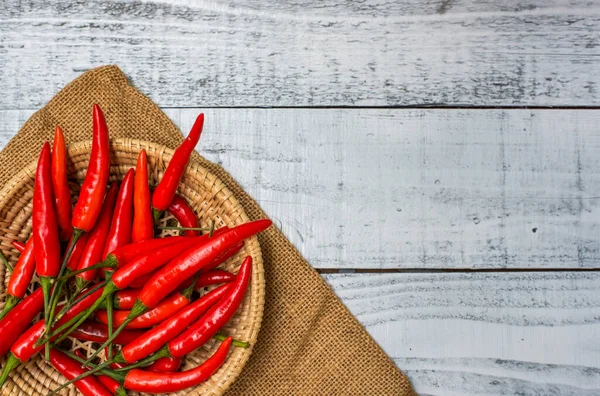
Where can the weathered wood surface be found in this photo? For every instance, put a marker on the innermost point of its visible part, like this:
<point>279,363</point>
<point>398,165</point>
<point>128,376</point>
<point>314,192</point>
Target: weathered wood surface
<point>308,53</point>
<point>414,188</point>
<point>484,334</point>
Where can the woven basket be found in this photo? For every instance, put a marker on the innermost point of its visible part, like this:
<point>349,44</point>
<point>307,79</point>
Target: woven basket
<point>209,198</point>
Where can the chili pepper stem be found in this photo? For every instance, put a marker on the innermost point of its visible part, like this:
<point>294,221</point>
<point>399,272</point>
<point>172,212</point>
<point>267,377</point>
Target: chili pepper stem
<point>110,262</point>
<point>156,214</point>
<point>46,286</point>
<point>109,312</point>
<point>77,233</point>
<point>99,367</point>
<point>237,343</point>
<point>11,363</point>
<point>10,303</point>
<point>6,263</point>
<point>110,373</point>
<point>75,322</point>
<point>76,300</point>
<point>138,309</point>
<point>185,228</point>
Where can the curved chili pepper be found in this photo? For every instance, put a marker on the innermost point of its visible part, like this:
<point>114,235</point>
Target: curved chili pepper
<point>89,386</point>
<point>167,308</point>
<point>20,246</point>
<point>120,226</point>
<point>89,204</point>
<point>20,278</point>
<point>45,228</point>
<point>190,262</point>
<point>165,191</point>
<point>226,255</point>
<point>165,365</point>
<point>19,318</point>
<point>216,317</point>
<point>112,385</point>
<point>143,381</point>
<point>143,224</point>
<point>184,266</point>
<point>184,214</point>
<point>94,247</point>
<point>26,345</point>
<point>214,277</point>
<point>60,186</point>
<point>98,332</point>
<point>77,252</point>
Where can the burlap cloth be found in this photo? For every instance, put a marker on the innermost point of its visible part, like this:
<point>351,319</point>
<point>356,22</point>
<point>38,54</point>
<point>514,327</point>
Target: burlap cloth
<point>309,343</point>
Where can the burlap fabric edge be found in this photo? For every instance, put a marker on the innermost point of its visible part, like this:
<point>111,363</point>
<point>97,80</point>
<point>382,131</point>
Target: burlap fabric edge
<point>309,343</point>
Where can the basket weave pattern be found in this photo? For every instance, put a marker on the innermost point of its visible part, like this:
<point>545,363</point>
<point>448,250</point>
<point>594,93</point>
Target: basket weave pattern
<point>211,201</point>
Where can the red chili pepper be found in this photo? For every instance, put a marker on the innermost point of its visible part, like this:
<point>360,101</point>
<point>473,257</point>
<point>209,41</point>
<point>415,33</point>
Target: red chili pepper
<point>20,278</point>
<point>216,317</point>
<point>184,214</point>
<point>20,246</point>
<point>165,365</point>
<point>98,332</point>
<point>143,224</point>
<point>181,268</point>
<point>144,381</point>
<point>60,186</point>
<point>165,191</point>
<point>88,206</point>
<point>125,254</point>
<point>190,262</point>
<point>45,228</point>
<point>112,385</point>
<point>214,277</point>
<point>77,252</point>
<point>26,345</point>
<point>154,339</point>
<point>94,247</point>
<point>120,226</point>
<point>167,308</point>
<point>141,281</point>
<point>124,299</point>
<point>226,255</point>
<point>89,386</point>
<point>19,318</point>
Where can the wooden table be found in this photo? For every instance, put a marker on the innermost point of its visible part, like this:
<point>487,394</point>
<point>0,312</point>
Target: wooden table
<point>438,162</point>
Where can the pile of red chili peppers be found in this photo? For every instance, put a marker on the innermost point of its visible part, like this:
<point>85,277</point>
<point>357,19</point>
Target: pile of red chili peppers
<point>105,277</point>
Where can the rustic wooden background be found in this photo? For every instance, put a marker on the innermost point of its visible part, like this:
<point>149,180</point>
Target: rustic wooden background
<point>437,161</point>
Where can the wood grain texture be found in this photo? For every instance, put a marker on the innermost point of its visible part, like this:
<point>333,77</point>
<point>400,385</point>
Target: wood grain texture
<point>426,189</point>
<point>484,334</point>
<point>309,53</point>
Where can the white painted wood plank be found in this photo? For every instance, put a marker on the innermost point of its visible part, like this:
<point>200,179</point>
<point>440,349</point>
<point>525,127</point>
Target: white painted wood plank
<point>308,53</point>
<point>414,188</point>
<point>484,334</point>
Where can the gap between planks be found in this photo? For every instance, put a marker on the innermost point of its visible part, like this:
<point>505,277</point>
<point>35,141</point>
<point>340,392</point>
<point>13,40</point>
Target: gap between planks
<point>441,270</point>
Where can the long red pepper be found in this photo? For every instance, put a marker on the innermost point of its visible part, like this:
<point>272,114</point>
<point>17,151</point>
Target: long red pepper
<point>144,381</point>
<point>184,266</point>
<point>124,299</point>
<point>89,204</point>
<point>88,386</point>
<point>20,246</point>
<point>135,268</point>
<point>26,345</point>
<point>45,227</point>
<point>20,278</point>
<point>184,214</point>
<point>165,365</point>
<point>98,332</point>
<point>214,277</point>
<point>60,186</point>
<point>165,191</point>
<point>187,264</point>
<point>120,226</point>
<point>216,317</point>
<point>94,248</point>
<point>112,385</point>
<point>167,308</point>
<point>143,224</point>
<point>18,319</point>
